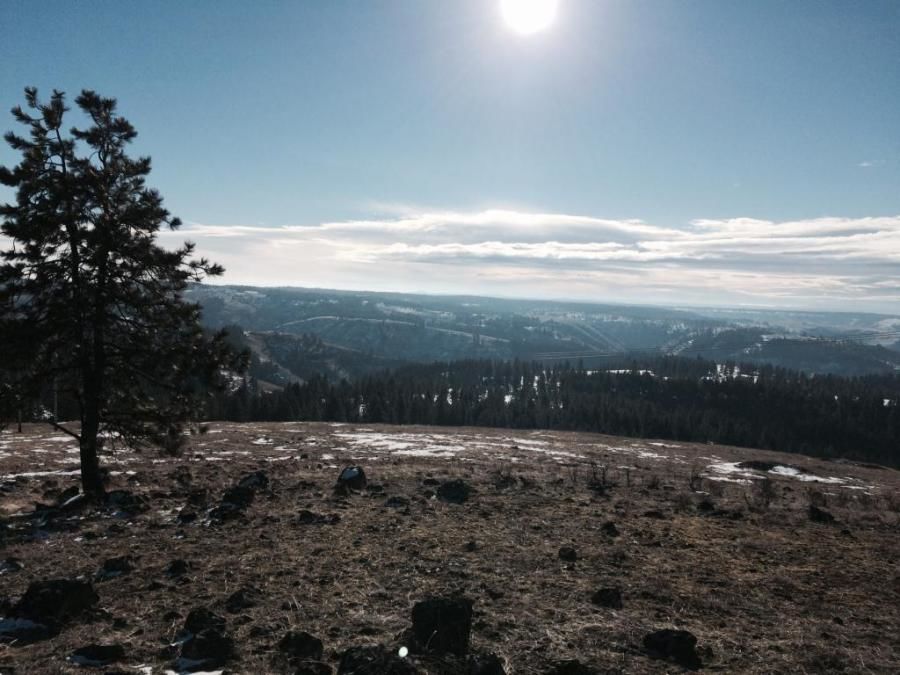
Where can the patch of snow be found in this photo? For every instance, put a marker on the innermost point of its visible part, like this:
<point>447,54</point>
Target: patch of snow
<point>791,472</point>
<point>35,474</point>
<point>262,441</point>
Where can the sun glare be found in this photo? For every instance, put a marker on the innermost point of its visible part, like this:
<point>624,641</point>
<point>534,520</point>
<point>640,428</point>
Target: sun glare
<point>528,16</point>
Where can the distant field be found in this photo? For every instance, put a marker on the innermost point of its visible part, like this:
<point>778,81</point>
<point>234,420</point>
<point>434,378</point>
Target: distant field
<point>690,538</point>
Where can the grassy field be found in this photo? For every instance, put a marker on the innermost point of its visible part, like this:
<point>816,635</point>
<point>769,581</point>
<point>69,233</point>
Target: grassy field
<point>691,539</point>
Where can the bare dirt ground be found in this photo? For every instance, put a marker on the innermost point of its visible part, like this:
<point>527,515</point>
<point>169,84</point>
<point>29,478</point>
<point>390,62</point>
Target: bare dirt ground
<point>691,540</point>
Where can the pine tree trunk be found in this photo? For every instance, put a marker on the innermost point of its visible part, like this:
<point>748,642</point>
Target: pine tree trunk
<point>91,482</point>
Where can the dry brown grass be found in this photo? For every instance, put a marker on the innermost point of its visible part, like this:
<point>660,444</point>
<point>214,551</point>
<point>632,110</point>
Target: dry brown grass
<point>761,590</point>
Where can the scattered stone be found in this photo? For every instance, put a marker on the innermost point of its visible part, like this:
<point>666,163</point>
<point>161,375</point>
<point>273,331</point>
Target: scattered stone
<point>571,667</point>
<point>241,599</point>
<point>306,517</point>
<point>10,565</point>
<point>455,491</point>
<point>55,601</point>
<point>186,516</point>
<point>198,496</point>
<point>97,656</point>
<point>374,660</point>
<point>238,496</point>
<point>611,598</point>
<point>177,568</point>
<point>431,482</point>
<point>656,515</point>
<point>352,478</point>
<point>397,502</point>
<point>442,625</point>
<point>486,664</point>
<point>818,515</point>
<point>609,528</point>
<point>114,567</point>
<point>67,494</point>
<point>25,631</point>
<point>256,481</point>
<point>568,554</point>
<point>314,668</point>
<point>125,503</point>
<point>471,546</point>
<point>297,647</point>
<point>200,619</point>
<point>706,505</point>
<point>679,646</point>
<point>225,511</point>
<point>206,650</point>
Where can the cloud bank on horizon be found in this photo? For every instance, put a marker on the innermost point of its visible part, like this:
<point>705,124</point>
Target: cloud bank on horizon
<point>820,263</point>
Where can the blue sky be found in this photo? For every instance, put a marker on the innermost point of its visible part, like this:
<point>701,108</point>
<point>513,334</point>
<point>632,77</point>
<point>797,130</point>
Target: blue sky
<point>705,151</point>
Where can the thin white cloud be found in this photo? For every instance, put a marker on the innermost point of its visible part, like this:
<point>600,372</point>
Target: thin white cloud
<point>849,263</point>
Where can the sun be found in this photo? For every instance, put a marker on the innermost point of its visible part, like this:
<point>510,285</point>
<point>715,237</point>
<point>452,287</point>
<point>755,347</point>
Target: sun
<point>528,16</point>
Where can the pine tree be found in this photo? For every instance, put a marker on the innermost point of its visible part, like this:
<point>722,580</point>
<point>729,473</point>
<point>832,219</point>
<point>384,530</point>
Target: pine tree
<point>88,300</point>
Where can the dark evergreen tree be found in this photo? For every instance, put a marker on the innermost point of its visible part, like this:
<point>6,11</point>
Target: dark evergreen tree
<point>88,300</point>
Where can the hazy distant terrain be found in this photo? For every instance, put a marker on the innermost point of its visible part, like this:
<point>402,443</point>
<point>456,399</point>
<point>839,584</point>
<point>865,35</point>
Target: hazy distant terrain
<point>360,331</point>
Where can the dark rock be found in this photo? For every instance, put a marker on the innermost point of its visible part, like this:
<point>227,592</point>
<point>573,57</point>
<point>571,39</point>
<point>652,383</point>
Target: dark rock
<point>352,478</point>
<point>207,650</point>
<point>200,619</point>
<point>225,511</point>
<point>177,568</point>
<point>125,502</point>
<point>454,491</point>
<point>114,567</point>
<point>818,515</point>
<point>74,503</point>
<point>238,496</point>
<point>243,598</point>
<point>679,646</point>
<point>186,516</point>
<point>96,656</point>
<point>297,647</point>
<point>198,496</point>
<point>706,505</point>
<point>486,664</point>
<point>471,546</point>
<point>306,517</point>
<point>568,554</point>
<point>375,488</point>
<point>374,660</point>
<point>256,481</point>
<point>571,667</point>
<point>442,625</point>
<point>314,668</point>
<point>10,565</point>
<point>431,482</point>
<point>656,515</point>
<point>610,598</point>
<point>609,528</point>
<point>397,502</point>
<point>25,631</point>
<point>67,494</point>
<point>55,601</point>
